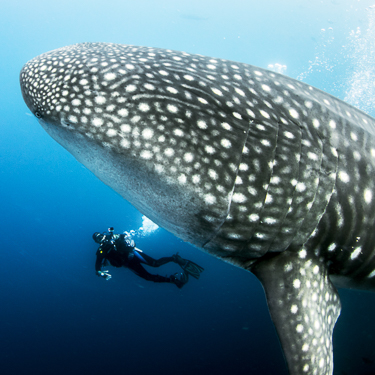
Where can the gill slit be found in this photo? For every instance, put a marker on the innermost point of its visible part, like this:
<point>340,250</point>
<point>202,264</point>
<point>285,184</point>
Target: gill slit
<point>230,195</point>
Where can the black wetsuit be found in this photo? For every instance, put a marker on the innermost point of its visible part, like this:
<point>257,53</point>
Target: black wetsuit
<point>120,252</point>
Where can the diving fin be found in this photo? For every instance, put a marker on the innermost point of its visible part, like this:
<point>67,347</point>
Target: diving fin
<point>188,266</point>
<point>179,279</point>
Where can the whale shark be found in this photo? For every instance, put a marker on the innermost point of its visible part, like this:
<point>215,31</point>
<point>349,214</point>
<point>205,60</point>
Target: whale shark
<point>260,170</point>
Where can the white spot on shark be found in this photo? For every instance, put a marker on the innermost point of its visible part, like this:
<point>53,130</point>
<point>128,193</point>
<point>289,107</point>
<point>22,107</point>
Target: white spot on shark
<point>293,113</point>
<point>178,132</point>
<point>182,179</point>
<point>296,283</point>
<point>73,119</point>
<point>367,196</point>
<point>111,132</point>
<point>226,143</point>
<point>239,91</point>
<point>203,101</point>
<point>332,124</point>
<point>266,88</point>
<point>188,157</point>
<point>253,217</point>
<point>305,347</point>
<point>355,253</point>
<point>209,149</point>
<point>97,121</point>
<point>300,187</point>
<point>100,99</point>
<point>144,107</point>
<point>169,152</point>
<point>131,88</point>
<point>344,177</point>
<point>147,133</point>
<point>216,91</point>
<point>172,90</point>
<point>126,128</point>
<point>289,135</point>
<point>109,76</point>
<point>196,179</point>
<point>210,199</point>
<point>239,198</point>
<point>146,154</point>
<point>316,123</point>
<point>172,108</point>
<point>213,174</point>
<point>123,112</point>
<point>353,136</point>
<point>124,143</point>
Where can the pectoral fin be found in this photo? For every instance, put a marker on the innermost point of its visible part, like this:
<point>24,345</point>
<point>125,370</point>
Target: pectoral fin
<point>304,306</point>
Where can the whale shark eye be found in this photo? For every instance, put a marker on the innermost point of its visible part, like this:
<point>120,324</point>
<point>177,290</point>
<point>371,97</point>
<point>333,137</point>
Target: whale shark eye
<point>37,114</point>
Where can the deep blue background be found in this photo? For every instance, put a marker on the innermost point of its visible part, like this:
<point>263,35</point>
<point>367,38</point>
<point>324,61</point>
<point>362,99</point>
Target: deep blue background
<point>56,316</point>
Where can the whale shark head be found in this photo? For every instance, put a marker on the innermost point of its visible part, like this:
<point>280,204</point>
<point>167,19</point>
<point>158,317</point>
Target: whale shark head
<point>252,166</point>
<point>163,136</point>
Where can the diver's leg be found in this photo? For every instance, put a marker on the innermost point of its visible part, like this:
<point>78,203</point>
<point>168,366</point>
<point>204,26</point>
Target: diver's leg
<point>179,280</point>
<point>149,261</point>
<point>136,267</point>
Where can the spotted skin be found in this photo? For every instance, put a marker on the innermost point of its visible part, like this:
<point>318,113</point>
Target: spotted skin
<point>263,171</point>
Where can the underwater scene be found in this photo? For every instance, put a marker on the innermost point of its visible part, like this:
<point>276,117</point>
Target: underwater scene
<point>58,316</point>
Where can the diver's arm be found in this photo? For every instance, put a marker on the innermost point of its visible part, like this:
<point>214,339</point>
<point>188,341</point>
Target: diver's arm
<point>100,259</point>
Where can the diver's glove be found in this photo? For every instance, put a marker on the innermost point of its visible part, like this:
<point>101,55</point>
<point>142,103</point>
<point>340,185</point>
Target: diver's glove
<point>104,274</point>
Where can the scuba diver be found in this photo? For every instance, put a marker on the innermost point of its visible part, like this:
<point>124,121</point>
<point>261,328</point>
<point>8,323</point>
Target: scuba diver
<point>120,251</point>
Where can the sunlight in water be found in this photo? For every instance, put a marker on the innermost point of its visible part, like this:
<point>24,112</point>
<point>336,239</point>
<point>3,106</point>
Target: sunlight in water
<point>353,63</point>
<point>278,68</point>
<point>148,226</point>
<point>145,229</point>
<point>361,84</point>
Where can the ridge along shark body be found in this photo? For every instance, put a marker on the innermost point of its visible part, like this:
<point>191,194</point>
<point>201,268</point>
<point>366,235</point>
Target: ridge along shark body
<point>258,169</point>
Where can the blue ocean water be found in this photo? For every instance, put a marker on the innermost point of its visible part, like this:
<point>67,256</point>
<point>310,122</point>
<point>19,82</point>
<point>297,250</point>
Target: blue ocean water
<point>56,316</point>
